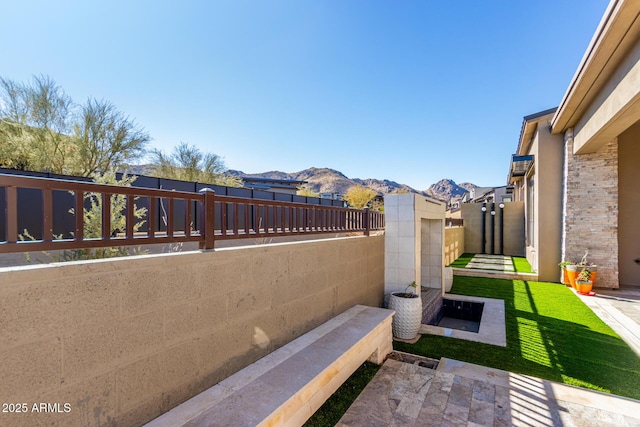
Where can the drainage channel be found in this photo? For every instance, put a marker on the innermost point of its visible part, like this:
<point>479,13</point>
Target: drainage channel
<point>413,359</point>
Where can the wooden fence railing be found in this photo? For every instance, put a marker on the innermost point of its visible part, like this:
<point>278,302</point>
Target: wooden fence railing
<point>204,217</point>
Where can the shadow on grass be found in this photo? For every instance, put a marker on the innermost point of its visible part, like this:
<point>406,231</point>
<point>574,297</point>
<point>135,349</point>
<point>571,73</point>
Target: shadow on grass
<point>551,334</point>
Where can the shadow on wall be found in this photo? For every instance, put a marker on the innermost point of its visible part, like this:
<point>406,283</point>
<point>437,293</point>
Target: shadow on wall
<point>453,244</point>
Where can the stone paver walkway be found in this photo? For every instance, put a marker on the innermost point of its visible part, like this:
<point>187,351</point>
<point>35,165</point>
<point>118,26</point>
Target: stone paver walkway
<point>620,309</point>
<point>463,394</point>
<point>492,262</point>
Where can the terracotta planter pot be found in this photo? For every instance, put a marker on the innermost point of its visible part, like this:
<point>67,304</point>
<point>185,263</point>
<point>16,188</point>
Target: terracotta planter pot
<point>572,272</point>
<point>406,322</point>
<point>594,272</point>
<point>584,287</point>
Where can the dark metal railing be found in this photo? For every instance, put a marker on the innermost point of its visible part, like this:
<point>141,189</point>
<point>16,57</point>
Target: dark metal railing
<point>203,217</point>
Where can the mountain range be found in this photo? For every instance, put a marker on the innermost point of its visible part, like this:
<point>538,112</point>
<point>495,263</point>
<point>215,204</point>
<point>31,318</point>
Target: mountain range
<point>325,180</point>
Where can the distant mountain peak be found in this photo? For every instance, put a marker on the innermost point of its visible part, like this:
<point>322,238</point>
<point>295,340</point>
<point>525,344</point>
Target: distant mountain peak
<point>331,181</point>
<point>446,189</point>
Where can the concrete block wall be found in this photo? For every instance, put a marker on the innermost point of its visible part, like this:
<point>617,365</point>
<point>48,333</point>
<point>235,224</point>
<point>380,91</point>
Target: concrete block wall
<point>591,212</point>
<point>453,244</point>
<point>123,340</point>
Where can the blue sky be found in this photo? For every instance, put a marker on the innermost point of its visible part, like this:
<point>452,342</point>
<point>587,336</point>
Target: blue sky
<point>411,91</point>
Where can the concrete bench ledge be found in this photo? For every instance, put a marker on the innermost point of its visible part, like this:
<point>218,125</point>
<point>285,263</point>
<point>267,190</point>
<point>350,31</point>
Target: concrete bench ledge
<point>288,385</point>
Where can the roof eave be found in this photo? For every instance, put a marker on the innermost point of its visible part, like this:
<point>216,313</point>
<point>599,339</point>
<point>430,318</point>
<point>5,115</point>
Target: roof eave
<point>597,64</point>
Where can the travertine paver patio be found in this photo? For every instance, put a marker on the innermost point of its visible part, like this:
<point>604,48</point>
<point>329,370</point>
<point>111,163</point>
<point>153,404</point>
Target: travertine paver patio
<point>620,309</point>
<point>492,262</point>
<point>463,394</point>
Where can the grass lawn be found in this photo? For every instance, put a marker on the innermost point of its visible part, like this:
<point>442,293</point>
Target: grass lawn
<point>334,408</point>
<point>521,265</point>
<point>551,334</point>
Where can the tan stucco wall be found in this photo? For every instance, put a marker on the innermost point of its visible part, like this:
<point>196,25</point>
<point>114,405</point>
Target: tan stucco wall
<point>548,150</point>
<point>513,228</point>
<point>124,340</point>
<point>629,206</point>
<point>614,109</point>
<point>453,244</point>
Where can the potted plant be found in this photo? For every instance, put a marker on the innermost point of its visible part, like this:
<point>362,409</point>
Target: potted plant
<point>591,268</point>
<point>573,269</point>
<point>584,282</point>
<point>448,279</point>
<point>564,265</point>
<point>408,307</point>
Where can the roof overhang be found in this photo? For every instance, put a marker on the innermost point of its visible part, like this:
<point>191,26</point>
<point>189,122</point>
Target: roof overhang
<point>529,126</point>
<point>520,165</point>
<point>615,36</point>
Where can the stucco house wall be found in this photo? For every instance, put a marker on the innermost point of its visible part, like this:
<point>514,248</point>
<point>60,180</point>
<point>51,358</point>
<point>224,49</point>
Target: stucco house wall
<point>629,206</point>
<point>548,150</point>
<point>597,118</point>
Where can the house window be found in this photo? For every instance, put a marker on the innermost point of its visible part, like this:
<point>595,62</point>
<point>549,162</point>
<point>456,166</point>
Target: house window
<point>530,211</point>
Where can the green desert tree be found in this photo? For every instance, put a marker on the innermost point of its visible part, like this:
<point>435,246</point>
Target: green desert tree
<point>305,190</point>
<point>105,138</point>
<point>359,196</point>
<point>35,122</point>
<point>188,163</point>
<point>41,129</point>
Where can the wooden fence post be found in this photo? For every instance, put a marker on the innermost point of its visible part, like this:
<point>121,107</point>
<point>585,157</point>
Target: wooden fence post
<point>367,221</point>
<point>209,214</point>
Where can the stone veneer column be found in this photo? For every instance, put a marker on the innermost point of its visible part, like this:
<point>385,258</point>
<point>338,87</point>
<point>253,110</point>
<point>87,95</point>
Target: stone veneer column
<point>591,209</point>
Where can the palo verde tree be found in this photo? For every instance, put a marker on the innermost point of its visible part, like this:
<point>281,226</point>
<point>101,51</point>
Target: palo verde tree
<point>305,190</point>
<point>41,129</point>
<point>359,196</point>
<point>34,125</point>
<point>188,163</point>
<point>105,138</point>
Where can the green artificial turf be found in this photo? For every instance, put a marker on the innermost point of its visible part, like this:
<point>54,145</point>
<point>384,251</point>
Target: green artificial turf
<point>334,408</point>
<point>521,265</point>
<point>462,261</point>
<point>551,334</point>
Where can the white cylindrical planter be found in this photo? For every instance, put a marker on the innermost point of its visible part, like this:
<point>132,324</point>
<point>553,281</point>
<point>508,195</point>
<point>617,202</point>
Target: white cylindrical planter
<point>406,322</point>
<point>448,279</point>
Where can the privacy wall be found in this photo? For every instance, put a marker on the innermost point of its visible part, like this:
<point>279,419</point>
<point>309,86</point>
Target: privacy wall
<point>118,342</point>
<point>511,230</point>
